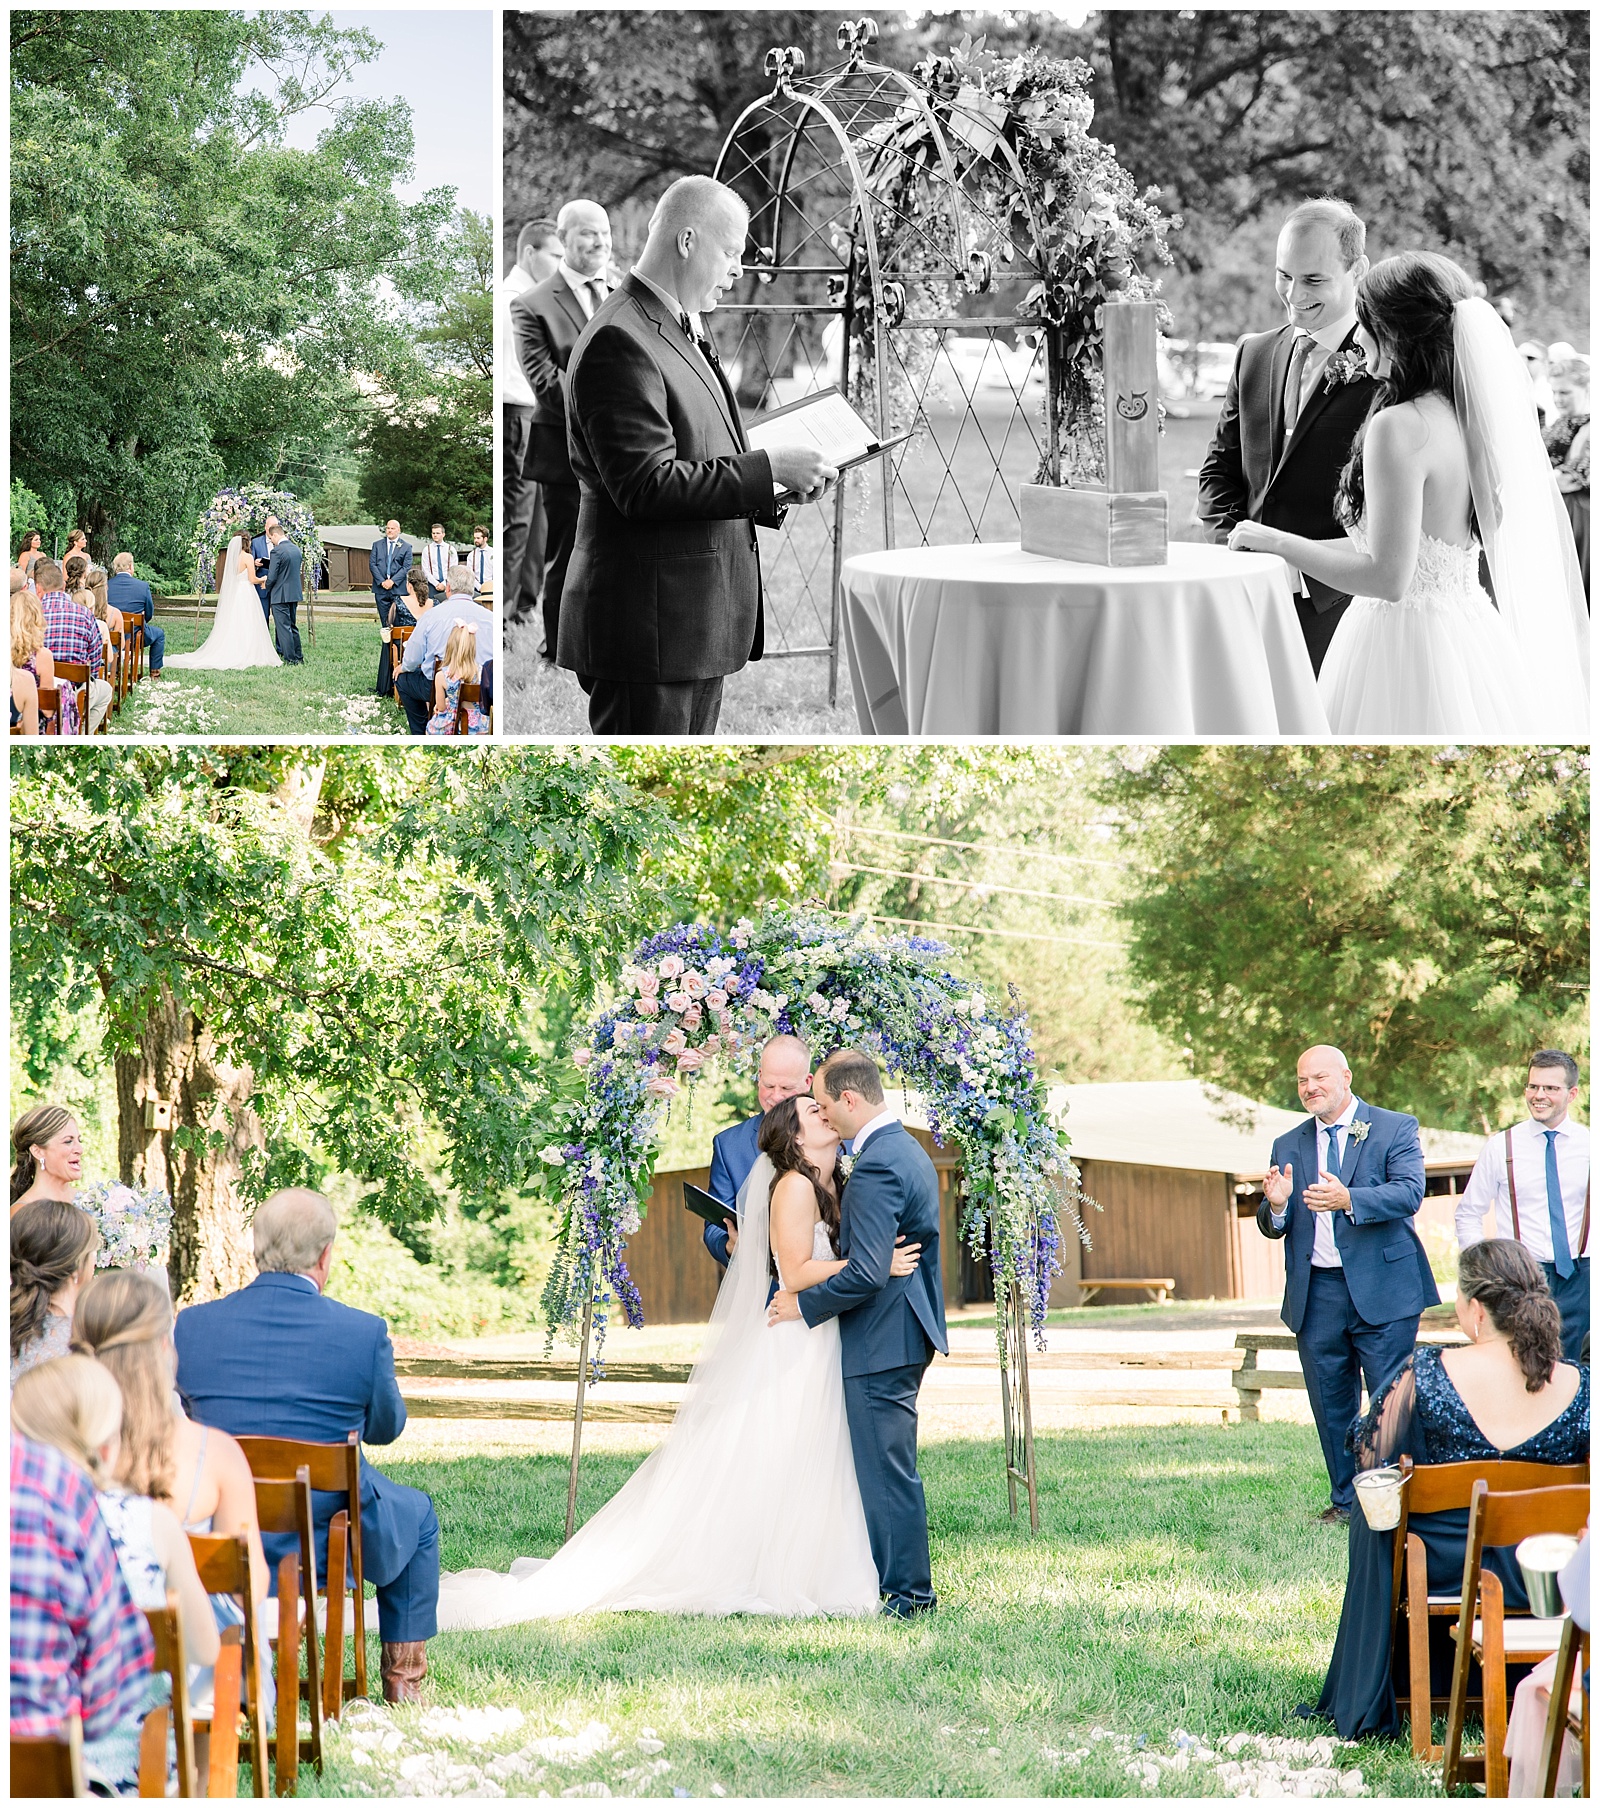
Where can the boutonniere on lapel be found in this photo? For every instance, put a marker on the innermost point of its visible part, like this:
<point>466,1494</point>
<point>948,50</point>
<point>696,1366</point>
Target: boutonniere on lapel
<point>1359,1128</point>
<point>846,1163</point>
<point>1344,367</point>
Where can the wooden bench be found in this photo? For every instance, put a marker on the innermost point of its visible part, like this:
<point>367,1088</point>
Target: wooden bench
<point>1160,1286</point>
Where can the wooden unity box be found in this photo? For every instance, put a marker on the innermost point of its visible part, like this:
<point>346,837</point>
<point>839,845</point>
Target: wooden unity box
<point>1126,522</point>
<point>1095,527</point>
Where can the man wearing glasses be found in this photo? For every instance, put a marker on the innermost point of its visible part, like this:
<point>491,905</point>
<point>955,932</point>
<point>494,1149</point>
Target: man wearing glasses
<point>1535,1176</point>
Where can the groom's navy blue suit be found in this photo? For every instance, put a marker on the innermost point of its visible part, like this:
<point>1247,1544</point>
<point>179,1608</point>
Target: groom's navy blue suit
<point>889,1327</point>
<point>279,1360</point>
<point>1360,1317</point>
<point>733,1155</point>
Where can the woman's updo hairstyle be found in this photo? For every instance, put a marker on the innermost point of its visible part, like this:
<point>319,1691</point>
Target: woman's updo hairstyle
<point>50,1242</point>
<point>1407,303</point>
<point>33,1130</point>
<point>1510,1286</point>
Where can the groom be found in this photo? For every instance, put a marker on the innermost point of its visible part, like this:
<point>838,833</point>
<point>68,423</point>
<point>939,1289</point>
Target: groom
<point>889,1327</point>
<point>284,594</point>
<point>1295,403</point>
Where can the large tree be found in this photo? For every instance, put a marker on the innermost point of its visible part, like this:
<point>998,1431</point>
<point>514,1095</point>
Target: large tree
<point>191,301</point>
<point>1425,909</point>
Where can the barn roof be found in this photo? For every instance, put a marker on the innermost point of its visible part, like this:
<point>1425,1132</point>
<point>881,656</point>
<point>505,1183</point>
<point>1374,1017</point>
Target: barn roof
<point>361,535</point>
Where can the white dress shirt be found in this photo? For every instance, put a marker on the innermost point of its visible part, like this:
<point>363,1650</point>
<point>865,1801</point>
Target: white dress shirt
<point>672,304</point>
<point>872,1124</point>
<point>1330,1152</point>
<point>1487,1189</point>
<point>579,285</point>
<point>1326,340</point>
<point>515,389</point>
<point>480,562</point>
<point>436,562</point>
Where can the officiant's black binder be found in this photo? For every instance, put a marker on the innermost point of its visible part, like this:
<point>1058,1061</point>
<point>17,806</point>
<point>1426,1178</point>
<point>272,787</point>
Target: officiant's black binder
<point>875,448</point>
<point>708,1206</point>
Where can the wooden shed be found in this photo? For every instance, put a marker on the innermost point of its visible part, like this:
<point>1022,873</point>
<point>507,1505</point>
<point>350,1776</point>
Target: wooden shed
<point>349,548</point>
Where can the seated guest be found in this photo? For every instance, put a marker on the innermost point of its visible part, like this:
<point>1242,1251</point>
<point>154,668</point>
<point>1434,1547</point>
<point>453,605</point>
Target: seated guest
<point>80,1647</point>
<point>486,686</point>
<point>398,610</point>
<point>72,633</point>
<point>1506,1397</point>
<point>124,1320</point>
<point>30,657</point>
<point>278,1360</point>
<point>458,665</point>
<point>88,590</point>
<point>24,702</point>
<point>47,1156</point>
<point>427,645</point>
<point>132,596</point>
<point>76,1406</point>
<point>29,553</point>
<point>53,1246</point>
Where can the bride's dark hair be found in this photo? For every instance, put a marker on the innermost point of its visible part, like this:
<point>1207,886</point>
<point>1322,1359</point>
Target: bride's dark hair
<point>779,1141</point>
<point>1408,305</point>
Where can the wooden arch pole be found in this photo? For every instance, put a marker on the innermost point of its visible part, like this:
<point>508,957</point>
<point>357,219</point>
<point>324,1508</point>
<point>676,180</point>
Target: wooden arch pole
<point>1016,1408</point>
<point>577,1412</point>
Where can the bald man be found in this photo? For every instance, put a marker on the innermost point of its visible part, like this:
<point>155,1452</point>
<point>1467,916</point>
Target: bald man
<point>663,597</point>
<point>784,1073</point>
<point>1342,1191</point>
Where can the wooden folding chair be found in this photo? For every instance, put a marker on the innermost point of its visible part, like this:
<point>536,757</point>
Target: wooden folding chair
<point>133,647</point>
<point>398,636</point>
<point>469,694</point>
<point>224,1566</point>
<point>167,1630</point>
<point>1572,1656</point>
<point>114,667</point>
<point>74,673</point>
<point>334,1469</point>
<point>49,709</point>
<point>1486,1634</point>
<point>285,1506</point>
<point>49,1767</point>
<point>1437,1488</point>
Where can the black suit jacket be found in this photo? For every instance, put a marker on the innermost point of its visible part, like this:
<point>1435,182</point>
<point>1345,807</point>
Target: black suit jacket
<point>283,574</point>
<point>548,321</point>
<point>665,581</point>
<point>1250,474</point>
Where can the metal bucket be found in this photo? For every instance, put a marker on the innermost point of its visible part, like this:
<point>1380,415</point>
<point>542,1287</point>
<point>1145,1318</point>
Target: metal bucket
<point>1541,1558</point>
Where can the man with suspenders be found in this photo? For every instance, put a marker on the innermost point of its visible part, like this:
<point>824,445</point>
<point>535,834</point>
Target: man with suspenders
<point>1535,1176</point>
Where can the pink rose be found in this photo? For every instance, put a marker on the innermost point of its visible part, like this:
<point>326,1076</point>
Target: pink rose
<point>678,1001</point>
<point>648,1007</point>
<point>670,967</point>
<point>713,1045</point>
<point>581,1057</point>
<point>674,1042</point>
<point>649,985</point>
<point>694,983</point>
<point>662,1086</point>
<point>692,1017</point>
<point>717,999</point>
<point>689,1060</point>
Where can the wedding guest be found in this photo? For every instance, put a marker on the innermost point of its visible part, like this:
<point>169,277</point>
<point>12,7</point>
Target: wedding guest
<point>133,597</point>
<point>1508,1396</point>
<point>1342,1190</point>
<point>72,633</point>
<point>53,1247</point>
<point>480,561</point>
<point>75,1405</point>
<point>1530,1708</point>
<point>458,665</point>
<point>31,658</point>
<point>124,1320</point>
<point>784,1072</point>
<point>417,585</point>
<point>425,648</point>
<point>90,595</point>
<point>80,1648</point>
<point>538,253</point>
<point>1545,1157</point>
<point>662,599</point>
<point>30,552</point>
<point>486,688</point>
<point>1566,439</point>
<point>47,1156</point>
<point>278,1359</point>
<point>24,702</point>
<point>547,321</point>
<point>437,558</point>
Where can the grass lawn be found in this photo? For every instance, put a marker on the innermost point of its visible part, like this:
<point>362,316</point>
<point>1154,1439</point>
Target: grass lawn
<point>1181,1581</point>
<point>331,694</point>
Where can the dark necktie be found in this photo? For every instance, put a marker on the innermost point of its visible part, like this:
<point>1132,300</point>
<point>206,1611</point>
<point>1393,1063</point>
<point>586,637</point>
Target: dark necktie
<point>597,294</point>
<point>1303,343</point>
<point>1333,1150</point>
<point>1558,1211</point>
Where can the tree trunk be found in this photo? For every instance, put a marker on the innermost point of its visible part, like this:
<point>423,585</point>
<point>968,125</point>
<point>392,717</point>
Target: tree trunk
<point>177,1063</point>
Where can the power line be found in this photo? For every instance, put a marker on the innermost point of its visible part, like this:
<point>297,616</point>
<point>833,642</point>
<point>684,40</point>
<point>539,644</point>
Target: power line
<point>1015,891</point>
<point>982,847</point>
<point>1008,935</point>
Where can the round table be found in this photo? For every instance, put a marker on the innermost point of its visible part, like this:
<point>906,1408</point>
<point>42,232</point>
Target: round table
<point>989,639</point>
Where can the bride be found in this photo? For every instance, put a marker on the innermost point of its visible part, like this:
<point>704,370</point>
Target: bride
<point>1449,458</point>
<point>751,1503</point>
<point>239,634</point>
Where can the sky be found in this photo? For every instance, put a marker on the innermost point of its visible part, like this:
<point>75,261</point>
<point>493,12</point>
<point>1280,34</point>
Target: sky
<point>427,56</point>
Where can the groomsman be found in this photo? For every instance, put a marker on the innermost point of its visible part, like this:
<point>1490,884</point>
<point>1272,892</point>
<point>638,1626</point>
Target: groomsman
<point>480,561</point>
<point>547,321</point>
<point>1535,1178</point>
<point>390,562</point>
<point>437,558</point>
<point>1342,1191</point>
<point>538,253</point>
<point>784,1073</point>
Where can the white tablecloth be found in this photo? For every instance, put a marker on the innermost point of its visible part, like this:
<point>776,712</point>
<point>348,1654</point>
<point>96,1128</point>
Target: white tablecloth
<point>989,639</point>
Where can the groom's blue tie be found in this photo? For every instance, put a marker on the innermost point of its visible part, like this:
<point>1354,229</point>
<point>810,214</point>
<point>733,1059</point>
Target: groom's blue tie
<point>1558,1210</point>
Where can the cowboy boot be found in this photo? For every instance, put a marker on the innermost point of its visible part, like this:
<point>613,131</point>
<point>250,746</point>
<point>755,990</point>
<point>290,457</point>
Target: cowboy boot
<point>402,1668</point>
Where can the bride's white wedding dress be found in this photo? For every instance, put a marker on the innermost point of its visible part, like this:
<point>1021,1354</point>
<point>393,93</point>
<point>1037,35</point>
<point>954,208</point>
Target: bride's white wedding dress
<point>749,1506</point>
<point>1441,661</point>
<point>239,634</point>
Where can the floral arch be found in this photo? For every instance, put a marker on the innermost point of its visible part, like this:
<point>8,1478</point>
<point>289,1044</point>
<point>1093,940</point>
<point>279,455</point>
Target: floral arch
<point>244,510</point>
<point>690,997</point>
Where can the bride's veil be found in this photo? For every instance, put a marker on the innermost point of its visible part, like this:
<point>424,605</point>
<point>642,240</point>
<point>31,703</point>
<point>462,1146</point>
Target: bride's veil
<point>232,578</point>
<point>1522,520</point>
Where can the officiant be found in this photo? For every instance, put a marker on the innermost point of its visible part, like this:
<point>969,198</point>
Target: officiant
<point>784,1073</point>
<point>662,599</point>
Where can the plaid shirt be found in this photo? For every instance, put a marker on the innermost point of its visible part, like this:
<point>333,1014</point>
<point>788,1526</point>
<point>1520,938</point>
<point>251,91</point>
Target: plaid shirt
<point>78,1643</point>
<point>71,632</point>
